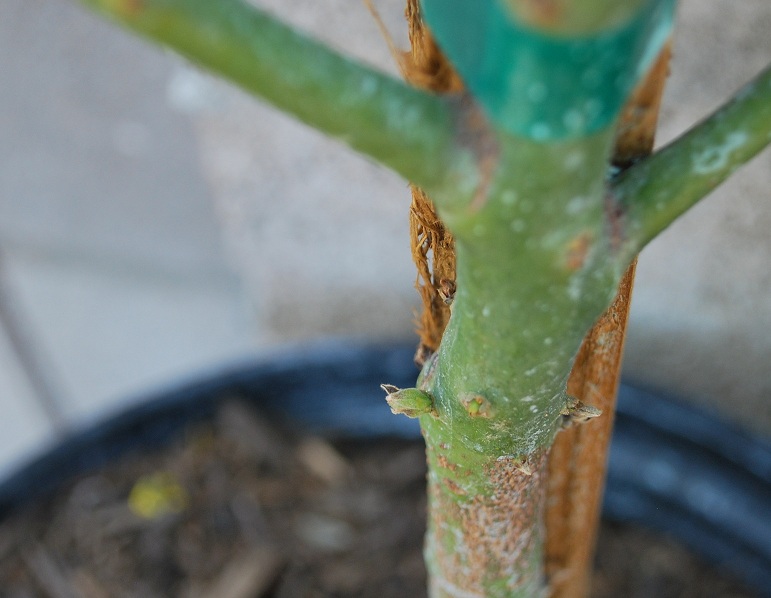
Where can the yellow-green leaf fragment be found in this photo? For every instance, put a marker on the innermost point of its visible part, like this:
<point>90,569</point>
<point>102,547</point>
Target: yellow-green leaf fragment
<point>156,495</point>
<point>409,401</point>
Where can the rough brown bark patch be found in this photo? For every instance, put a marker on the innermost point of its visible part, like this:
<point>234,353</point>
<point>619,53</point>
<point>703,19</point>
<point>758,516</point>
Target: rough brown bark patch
<point>497,539</point>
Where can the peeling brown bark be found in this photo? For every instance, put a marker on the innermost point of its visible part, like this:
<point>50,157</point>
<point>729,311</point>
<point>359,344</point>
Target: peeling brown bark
<point>578,459</point>
<point>433,248</point>
<point>579,455</point>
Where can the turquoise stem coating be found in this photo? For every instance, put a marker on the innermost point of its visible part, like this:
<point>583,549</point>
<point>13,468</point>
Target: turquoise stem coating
<point>540,85</point>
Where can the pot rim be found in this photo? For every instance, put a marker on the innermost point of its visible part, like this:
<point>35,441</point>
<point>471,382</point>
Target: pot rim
<point>672,467</point>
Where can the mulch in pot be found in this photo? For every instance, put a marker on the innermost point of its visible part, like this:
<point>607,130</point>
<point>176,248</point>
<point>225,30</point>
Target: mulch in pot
<point>243,507</point>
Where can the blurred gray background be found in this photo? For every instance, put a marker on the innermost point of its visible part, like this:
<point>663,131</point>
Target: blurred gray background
<point>156,224</point>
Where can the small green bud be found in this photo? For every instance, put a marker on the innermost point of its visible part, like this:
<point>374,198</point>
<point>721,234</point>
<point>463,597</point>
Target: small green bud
<point>476,405</point>
<point>409,401</point>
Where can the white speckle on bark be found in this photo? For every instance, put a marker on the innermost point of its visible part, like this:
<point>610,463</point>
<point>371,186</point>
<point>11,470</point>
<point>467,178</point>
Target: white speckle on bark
<point>573,120</point>
<point>574,289</point>
<point>536,92</point>
<point>509,197</point>
<point>573,160</point>
<point>575,204</point>
<point>715,158</point>
<point>540,131</point>
<point>517,225</point>
<point>368,85</point>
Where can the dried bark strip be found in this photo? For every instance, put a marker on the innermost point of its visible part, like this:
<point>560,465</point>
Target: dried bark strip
<point>579,455</point>
<point>433,248</point>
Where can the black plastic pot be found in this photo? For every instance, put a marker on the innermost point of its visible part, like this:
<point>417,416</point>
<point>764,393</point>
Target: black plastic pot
<point>672,468</point>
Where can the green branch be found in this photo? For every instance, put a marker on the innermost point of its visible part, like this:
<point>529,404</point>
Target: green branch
<point>656,191</point>
<point>408,130</point>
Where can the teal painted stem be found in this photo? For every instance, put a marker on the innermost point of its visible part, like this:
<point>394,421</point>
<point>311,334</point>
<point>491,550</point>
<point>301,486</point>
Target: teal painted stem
<point>653,193</point>
<point>408,130</point>
<point>537,84</point>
